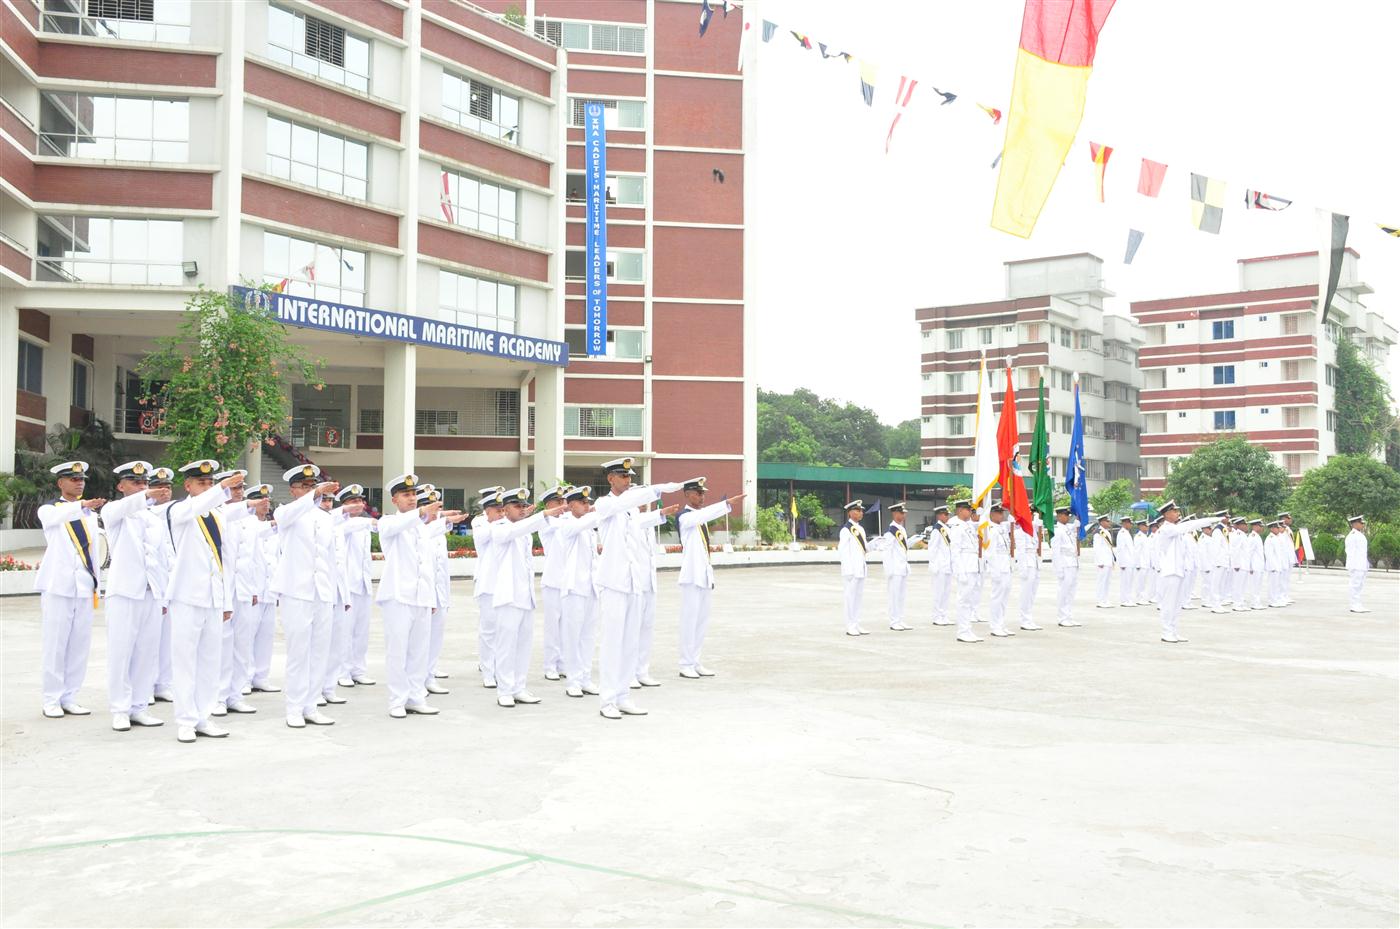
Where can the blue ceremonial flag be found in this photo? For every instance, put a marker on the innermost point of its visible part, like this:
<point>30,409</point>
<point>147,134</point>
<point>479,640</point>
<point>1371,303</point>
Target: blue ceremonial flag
<point>595,161</point>
<point>706,14</point>
<point>1074,468</point>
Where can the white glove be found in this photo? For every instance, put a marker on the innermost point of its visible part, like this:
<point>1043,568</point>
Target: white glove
<point>668,488</point>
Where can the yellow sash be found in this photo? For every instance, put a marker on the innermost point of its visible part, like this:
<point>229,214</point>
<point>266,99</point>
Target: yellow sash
<point>84,551</point>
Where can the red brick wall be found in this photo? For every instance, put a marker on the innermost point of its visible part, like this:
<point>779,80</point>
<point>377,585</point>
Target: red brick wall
<point>698,263</point>
<point>484,58</point>
<point>697,415</point>
<point>32,405</point>
<point>82,346</point>
<point>17,36</point>
<point>506,35</point>
<point>35,323</point>
<point>489,254</point>
<point>686,189</point>
<point>699,113</point>
<point>310,211</point>
<point>17,168</point>
<point>619,11</point>
<point>374,13</point>
<point>607,84</point>
<point>30,436</point>
<point>725,478</point>
<point>703,341</point>
<point>680,47</point>
<point>126,65</point>
<point>88,184</point>
<point>16,261</point>
<point>17,129</point>
<point>474,151</point>
<point>601,391</point>
<point>260,81</point>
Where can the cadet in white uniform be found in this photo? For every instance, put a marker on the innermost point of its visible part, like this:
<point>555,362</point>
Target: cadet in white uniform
<point>1358,562</point>
<point>442,601</point>
<point>551,584</point>
<point>1207,555</point>
<point>1172,541</point>
<point>578,628</point>
<point>966,550</point>
<point>485,580</point>
<point>1154,562</point>
<point>851,547</point>
<point>1141,556</point>
<point>353,656</point>
<point>133,615</point>
<point>1257,577</point>
<point>68,581</point>
<point>1103,561</point>
<point>1064,555</point>
<point>894,550</point>
<point>232,514</point>
<point>1295,542</point>
<point>513,598</point>
<point>1277,553</point>
<point>940,565</point>
<point>406,594</point>
<point>697,575</point>
<point>266,629</point>
<point>1028,550</point>
<point>159,554</point>
<point>1239,564</point>
<point>250,596</point>
<point>651,520</point>
<point>1188,580</point>
<point>201,597</point>
<point>996,565</point>
<point>1125,555</point>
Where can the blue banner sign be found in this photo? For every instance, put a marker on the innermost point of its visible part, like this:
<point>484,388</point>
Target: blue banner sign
<point>595,160</point>
<point>309,313</point>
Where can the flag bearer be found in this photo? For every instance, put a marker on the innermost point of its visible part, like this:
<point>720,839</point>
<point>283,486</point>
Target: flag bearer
<point>1064,554</point>
<point>352,662</point>
<point>940,565</point>
<point>894,549</point>
<point>966,551</point>
<point>851,546</point>
<point>1124,553</point>
<point>68,581</point>
<point>1358,562</point>
<point>551,583</point>
<point>1103,561</point>
<point>697,576</point>
<point>997,567</point>
<point>1028,550</point>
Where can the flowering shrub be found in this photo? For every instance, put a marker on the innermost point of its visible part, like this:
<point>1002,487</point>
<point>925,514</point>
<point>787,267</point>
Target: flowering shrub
<point>11,563</point>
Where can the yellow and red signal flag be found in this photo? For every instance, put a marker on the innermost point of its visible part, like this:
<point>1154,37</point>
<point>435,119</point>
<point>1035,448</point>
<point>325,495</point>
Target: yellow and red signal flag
<point>1100,154</point>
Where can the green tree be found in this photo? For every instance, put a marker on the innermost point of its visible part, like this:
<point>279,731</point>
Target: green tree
<point>1363,403</point>
<point>782,437</point>
<point>1346,485</point>
<point>959,493</point>
<point>1113,497</point>
<point>93,443</point>
<point>844,435</point>
<point>904,440</point>
<point>1384,546</point>
<point>809,507</point>
<point>1327,548</point>
<point>1392,447</point>
<point>773,525</point>
<point>1228,474</point>
<point>223,378</point>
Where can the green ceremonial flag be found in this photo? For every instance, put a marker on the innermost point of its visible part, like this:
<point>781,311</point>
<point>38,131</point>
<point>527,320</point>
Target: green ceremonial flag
<point>1042,486</point>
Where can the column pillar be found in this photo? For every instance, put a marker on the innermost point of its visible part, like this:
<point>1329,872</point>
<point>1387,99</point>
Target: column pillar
<point>104,379</point>
<point>9,376</point>
<point>549,423</point>
<point>225,250</point>
<point>58,373</point>
<point>400,392</point>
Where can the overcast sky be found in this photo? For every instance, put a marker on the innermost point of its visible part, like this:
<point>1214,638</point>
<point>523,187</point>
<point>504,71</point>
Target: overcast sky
<point>1294,99</point>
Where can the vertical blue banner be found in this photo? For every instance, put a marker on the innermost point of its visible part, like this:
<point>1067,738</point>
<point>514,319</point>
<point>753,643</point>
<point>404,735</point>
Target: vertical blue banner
<point>595,157</point>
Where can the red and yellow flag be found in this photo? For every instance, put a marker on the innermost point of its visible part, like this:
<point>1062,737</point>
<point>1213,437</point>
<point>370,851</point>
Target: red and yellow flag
<point>1058,41</point>
<point>1013,486</point>
<point>1100,155</point>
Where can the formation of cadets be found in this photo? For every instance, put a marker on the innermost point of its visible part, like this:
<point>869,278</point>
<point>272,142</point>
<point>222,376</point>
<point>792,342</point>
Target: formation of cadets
<point>195,586</point>
<point>1225,562</point>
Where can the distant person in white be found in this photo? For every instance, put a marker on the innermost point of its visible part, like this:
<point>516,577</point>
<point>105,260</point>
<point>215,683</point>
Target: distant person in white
<point>697,575</point>
<point>513,598</point>
<point>1357,562</point>
<point>1172,560</point>
<point>551,586</point>
<point>1125,554</point>
<point>352,657</point>
<point>68,581</point>
<point>851,547</point>
<point>1277,555</point>
<point>482,584</point>
<point>1257,573</point>
<point>1028,551</point>
<point>1141,556</point>
<point>1239,564</point>
<point>940,565</point>
<point>996,563</point>
<point>1103,561</point>
<point>893,546</point>
<point>966,549</point>
<point>1064,555</point>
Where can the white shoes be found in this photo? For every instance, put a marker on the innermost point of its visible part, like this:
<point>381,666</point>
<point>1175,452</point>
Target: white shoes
<point>1005,633</point>
<point>362,680</point>
<point>185,733</point>
<point>853,633</point>
<point>210,731</point>
<point>434,687</point>
<point>631,709</point>
<point>398,712</point>
<point>1103,606</point>
<point>163,696</point>
<point>969,638</point>
<point>332,697</point>
<point>240,707</point>
<point>944,622</point>
<point>634,684</point>
<point>1031,627</point>
<point>646,680</point>
<point>489,683</point>
<point>551,675</point>
<point>610,712</point>
<point>439,674</point>
<point>1127,604</point>
<point>526,698</point>
<point>121,722</point>
<point>220,710</point>
<point>703,671</point>
<point>505,700</point>
<point>901,627</point>
<point>296,722</point>
<point>345,682</point>
<point>320,719</point>
<point>260,688</point>
<point>74,709</point>
<point>692,674</point>
<point>1173,639</point>
<point>55,712</point>
<point>590,690</point>
<point>422,709</point>
<point>573,692</point>
<point>1359,609</point>
<point>1144,603</point>
<point>1071,622</point>
<point>861,630</point>
<point>247,691</point>
<point>143,718</point>
<point>1218,609</point>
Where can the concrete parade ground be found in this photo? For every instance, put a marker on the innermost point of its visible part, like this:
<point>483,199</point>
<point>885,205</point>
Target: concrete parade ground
<point>1070,777</point>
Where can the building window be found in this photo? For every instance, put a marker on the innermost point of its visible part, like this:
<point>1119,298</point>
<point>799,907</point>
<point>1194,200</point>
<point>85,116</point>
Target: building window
<point>928,462</point>
<point>955,425</point>
<point>1331,421</point>
<point>602,422</point>
<point>1264,410</point>
<point>1180,370</point>
<point>623,267</point>
<point>1224,420</point>
<point>1292,417</point>
<point>1181,325</point>
<point>31,368</point>
<point>955,339</point>
<point>73,125</point>
<point>491,411</point>
<point>1331,376</point>
<point>1066,337</point>
<point>1033,332</point>
<point>1290,324</point>
<point>1223,374</point>
<point>1293,463</point>
<point>619,189</point>
<point>82,377</point>
<point>955,383</point>
<point>985,335</point>
<point>434,422</point>
<point>1263,364</point>
<point>617,114</point>
<point>957,465</point>
<point>109,250</point>
<point>928,420</point>
<point>372,421</point>
<point>137,20</point>
<point>313,269</point>
<point>482,304</point>
<point>1290,370</point>
<point>1222,329</point>
<point>480,107</point>
<point>318,47</point>
<point>1180,414</point>
<point>593,37</point>
<point>623,345</point>
<point>480,205</point>
<point>317,159</point>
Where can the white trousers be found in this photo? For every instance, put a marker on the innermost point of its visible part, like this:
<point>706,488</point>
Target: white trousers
<point>1068,579</point>
<point>1288,576</point>
<point>437,628</point>
<point>1142,571</point>
<point>1127,582</point>
<point>515,637</point>
<point>485,637</point>
<point>1259,587</point>
<point>969,596</point>
<point>646,632</point>
<point>165,673</point>
<point>246,617</point>
<point>226,640</point>
<point>578,634</point>
<point>354,660</point>
<point>67,636</point>
<point>342,630</point>
<point>405,652</point>
<point>853,588</point>
<point>1030,581</point>
<point>1171,591</point>
<point>133,644</point>
<point>1103,580</point>
<point>1207,576</point>
<point>1238,591</point>
<point>1188,584</point>
<point>1277,585</point>
<point>1356,579</point>
<point>895,586</point>
<point>306,625</point>
<point>552,608</point>
<point>695,619</point>
<point>1154,584</point>
<point>620,620</point>
<point>942,591</point>
<point>263,634</point>
<point>196,644</point>
<point>1000,584</point>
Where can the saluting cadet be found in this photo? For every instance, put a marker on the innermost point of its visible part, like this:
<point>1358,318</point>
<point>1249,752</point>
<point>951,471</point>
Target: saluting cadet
<point>406,594</point>
<point>353,655</point>
<point>1188,579</point>
<point>966,550</point>
<point>894,549</point>
<point>1172,548</point>
<point>1064,554</point>
<point>232,513</point>
<point>622,578</point>
<point>484,581</point>
<point>513,598</point>
<point>940,565</point>
<point>551,585</point>
<point>1256,564</point>
<point>1028,549</point>
<point>159,554</point>
<point>996,564</point>
<point>68,581</point>
<point>651,518</point>
<point>267,618</point>
<point>201,596</point>
<point>1276,554</point>
<point>133,616</point>
<point>1103,561</point>
<point>1358,562</point>
<point>250,597</point>
<point>305,583</point>
<point>1141,557</point>
<point>1207,551</point>
<point>578,628</point>
<point>1220,566</point>
<point>1124,554</point>
<point>442,588</point>
<point>851,546</point>
<point>1239,564</point>
<point>697,575</point>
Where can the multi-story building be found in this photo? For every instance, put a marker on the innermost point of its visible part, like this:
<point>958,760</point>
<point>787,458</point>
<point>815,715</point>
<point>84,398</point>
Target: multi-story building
<point>1254,362</point>
<point>414,157</point>
<point>1052,324</point>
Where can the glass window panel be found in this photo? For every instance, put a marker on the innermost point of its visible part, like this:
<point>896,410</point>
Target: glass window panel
<point>505,301</point>
<point>466,294</point>
<point>301,255</point>
<point>96,115</point>
<point>304,144</point>
<point>631,190</point>
<point>631,114</point>
<point>353,269</point>
<point>171,120</point>
<point>98,233</point>
<point>132,150</point>
<point>275,260</point>
<point>629,343</point>
<point>133,118</point>
<point>356,159</point>
<point>575,36</point>
<point>354,187</point>
<point>490,199</point>
<point>631,39</point>
<point>165,240</point>
<point>357,58</point>
<point>128,274</point>
<point>468,195</point>
<point>447,288</point>
<point>485,296</point>
<point>507,209</point>
<point>629,266</point>
<point>604,38</point>
<point>279,137</point>
<point>170,151</point>
<point>87,271</point>
<point>304,173</point>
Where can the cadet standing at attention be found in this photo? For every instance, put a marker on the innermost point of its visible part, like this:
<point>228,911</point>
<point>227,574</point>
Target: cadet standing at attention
<point>851,547</point>
<point>551,584</point>
<point>966,549</point>
<point>996,564</point>
<point>1124,554</point>
<point>68,582</point>
<point>406,593</point>
<point>1064,553</point>
<point>1103,561</point>
<point>697,575</point>
<point>1028,550</point>
<point>353,666</point>
<point>483,583</point>
<point>940,565</point>
<point>513,596</point>
<point>894,549</point>
<point>1358,561</point>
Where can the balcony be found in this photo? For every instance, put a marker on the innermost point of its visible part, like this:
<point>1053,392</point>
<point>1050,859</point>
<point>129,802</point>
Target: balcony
<point>132,20</point>
<point>142,421</point>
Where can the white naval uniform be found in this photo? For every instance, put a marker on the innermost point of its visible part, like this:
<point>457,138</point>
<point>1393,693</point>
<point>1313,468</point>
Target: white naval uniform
<point>360,588</point>
<point>1256,570</point>
<point>697,578</point>
<point>1154,566</point>
<point>482,586</point>
<point>940,569</point>
<point>1276,555</point>
<point>513,602</point>
<point>308,585</point>
<point>1172,559</point>
<point>893,546</point>
<point>1358,563</point>
<point>1188,580</point>
<point>1205,565</point>
<point>851,547</point>
<point>551,595</point>
<point>234,515</point>
<point>407,591</point>
<point>1220,568</point>
<point>1103,565</point>
<point>133,616</point>
<point>442,601</point>
<point>996,565</point>
<point>1295,543</point>
<point>266,629</point>
<point>249,584</point>
<point>965,549</point>
<point>578,587</point>
<point>159,555</point>
<point>1141,557</point>
<point>67,583</point>
<point>201,592</point>
<point>1064,555</point>
<point>646,632</point>
<point>1125,553</point>
<point>1028,568</point>
<point>1239,568</point>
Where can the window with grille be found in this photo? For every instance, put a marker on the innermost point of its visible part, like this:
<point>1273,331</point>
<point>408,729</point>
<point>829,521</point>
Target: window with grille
<point>480,107</point>
<point>1292,417</point>
<point>435,422</point>
<point>325,41</point>
<point>372,421</point>
<point>602,422</point>
<point>318,47</point>
<point>593,37</point>
<point>1290,324</point>
<point>617,114</point>
<point>955,339</point>
<point>138,10</point>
